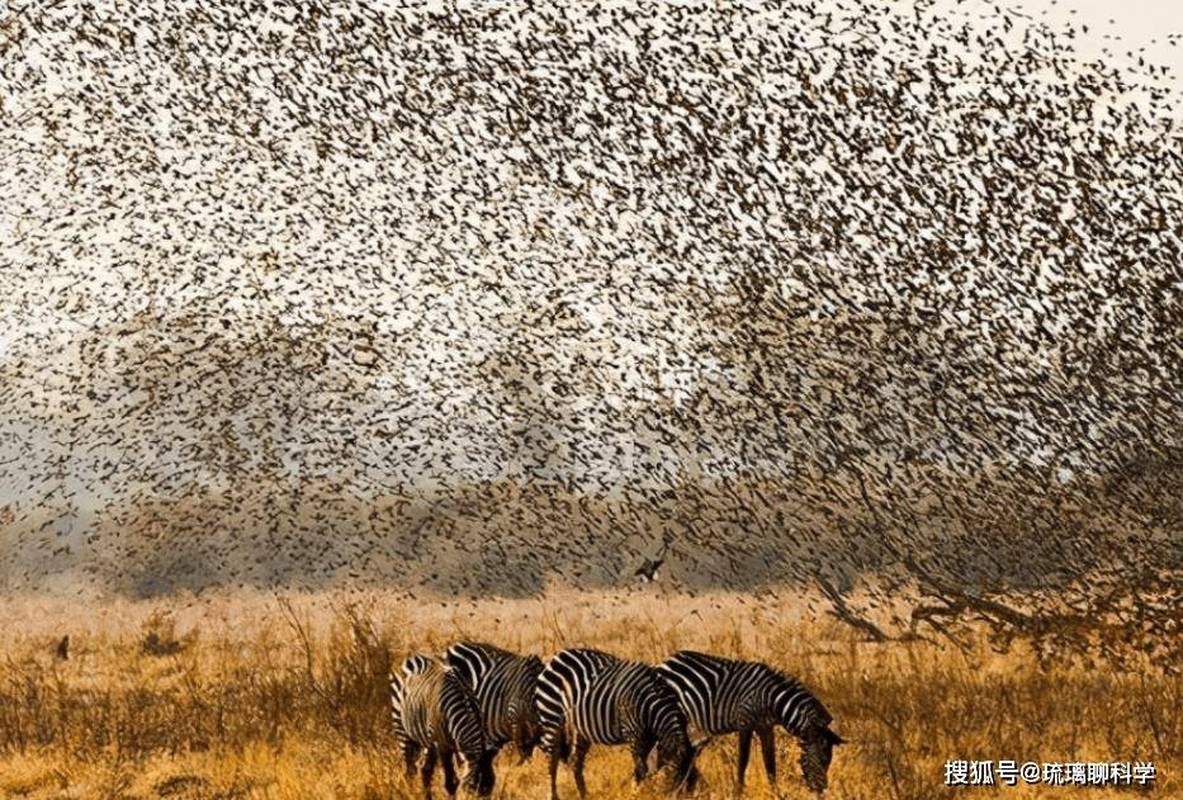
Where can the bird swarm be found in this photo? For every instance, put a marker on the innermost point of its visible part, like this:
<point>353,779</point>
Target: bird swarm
<point>480,296</point>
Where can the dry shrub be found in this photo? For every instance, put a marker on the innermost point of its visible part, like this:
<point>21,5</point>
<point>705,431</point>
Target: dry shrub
<point>347,672</point>
<point>160,637</point>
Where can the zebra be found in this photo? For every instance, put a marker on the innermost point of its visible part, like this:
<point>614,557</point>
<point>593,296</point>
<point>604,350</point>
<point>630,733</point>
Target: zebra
<point>433,710</point>
<point>504,686</point>
<point>721,695</point>
<point>587,697</point>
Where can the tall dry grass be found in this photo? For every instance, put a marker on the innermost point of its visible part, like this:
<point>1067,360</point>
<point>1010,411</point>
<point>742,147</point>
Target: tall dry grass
<point>256,696</point>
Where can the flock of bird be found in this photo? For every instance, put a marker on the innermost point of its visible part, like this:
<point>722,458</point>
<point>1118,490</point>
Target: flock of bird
<point>474,297</point>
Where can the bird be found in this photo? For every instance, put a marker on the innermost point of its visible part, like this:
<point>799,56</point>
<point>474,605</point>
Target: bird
<point>647,571</point>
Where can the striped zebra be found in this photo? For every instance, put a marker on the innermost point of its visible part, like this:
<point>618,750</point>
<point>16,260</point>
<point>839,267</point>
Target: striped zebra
<point>721,695</point>
<point>588,697</point>
<point>435,712</point>
<point>504,686</point>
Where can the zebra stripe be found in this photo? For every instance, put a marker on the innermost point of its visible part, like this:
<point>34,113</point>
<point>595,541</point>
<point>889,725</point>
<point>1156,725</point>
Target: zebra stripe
<point>722,695</point>
<point>587,697</point>
<point>504,686</point>
<point>413,665</point>
<point>434,711</point>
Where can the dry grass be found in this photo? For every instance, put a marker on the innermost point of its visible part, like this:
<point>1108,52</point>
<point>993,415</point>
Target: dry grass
<point>255,696</point>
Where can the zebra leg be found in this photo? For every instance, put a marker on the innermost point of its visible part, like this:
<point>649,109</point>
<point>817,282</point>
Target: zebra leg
<point>427,771</point>
<point>553,764</point>
<point>578,754</point>
<point>451,783</point>
<point>768,750</point>
<point>745,750</point>
<point>410,756</point>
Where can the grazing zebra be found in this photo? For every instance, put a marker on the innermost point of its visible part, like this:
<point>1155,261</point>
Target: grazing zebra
<point>434,711</point>
<point>588,697</point>
<point>504,686</point>
<point>721,695</point>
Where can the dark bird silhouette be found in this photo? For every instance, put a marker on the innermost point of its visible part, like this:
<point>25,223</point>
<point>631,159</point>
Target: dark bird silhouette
<point>647,572</point>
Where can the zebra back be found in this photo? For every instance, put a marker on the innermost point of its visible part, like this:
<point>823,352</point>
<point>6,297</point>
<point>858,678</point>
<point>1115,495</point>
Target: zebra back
<point>723,695</point>
<point>504,684</point>
<point>609,700</point>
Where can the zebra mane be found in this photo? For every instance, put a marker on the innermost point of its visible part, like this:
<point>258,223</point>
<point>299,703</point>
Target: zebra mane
<point>600,658</point>
<point>490,650</point>
<point>479,651</point>
<point>418,663</point>
<point>812,714</point>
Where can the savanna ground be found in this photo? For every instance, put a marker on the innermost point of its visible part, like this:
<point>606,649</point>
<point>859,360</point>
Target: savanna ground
<point>253,695</point>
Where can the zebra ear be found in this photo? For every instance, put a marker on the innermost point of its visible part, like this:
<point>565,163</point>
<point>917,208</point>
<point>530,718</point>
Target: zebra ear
<point>834,738</point>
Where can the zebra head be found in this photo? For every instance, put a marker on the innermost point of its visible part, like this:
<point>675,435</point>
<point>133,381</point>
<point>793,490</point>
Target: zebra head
<point>672,750</point>
<point>685,774</point>
<point>673,741</point>
<point>478,773</point>
<point>817,748</point>
<point>804,717</point>
<point>467,731</point>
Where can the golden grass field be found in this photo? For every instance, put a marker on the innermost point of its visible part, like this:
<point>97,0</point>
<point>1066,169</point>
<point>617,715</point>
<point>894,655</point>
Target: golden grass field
<point>253,695</point>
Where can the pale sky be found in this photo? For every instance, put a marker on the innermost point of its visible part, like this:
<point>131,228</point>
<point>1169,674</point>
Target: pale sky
<point>1138,23</point>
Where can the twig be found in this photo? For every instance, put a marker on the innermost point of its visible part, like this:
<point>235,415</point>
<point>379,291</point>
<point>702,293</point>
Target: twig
<point>842,611</point>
